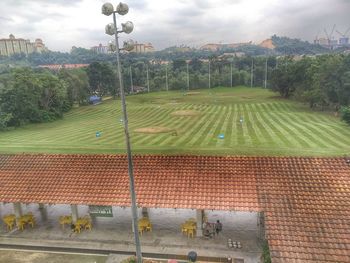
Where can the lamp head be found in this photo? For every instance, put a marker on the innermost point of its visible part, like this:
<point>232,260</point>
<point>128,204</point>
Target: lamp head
<point>122,9</point>
<point>107,9</point>
<point>111,46</point>
<point>127,27</point>
<point>109,29</point>
<point>128,45</point>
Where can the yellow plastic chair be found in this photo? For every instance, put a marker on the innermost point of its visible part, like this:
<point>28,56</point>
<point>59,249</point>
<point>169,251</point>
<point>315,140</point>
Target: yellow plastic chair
<point>190,233</point>
<point>20,224</point>
<point>149,227</point>
<point>88,225</point>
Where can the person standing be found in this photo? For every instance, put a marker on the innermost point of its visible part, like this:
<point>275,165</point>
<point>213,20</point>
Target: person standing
<point>218,227</point>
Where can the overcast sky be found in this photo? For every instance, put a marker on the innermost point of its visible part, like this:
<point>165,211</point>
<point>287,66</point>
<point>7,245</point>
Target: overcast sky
<point>66,23</point>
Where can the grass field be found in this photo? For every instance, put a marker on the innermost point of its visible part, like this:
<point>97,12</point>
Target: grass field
<point>271,126</point>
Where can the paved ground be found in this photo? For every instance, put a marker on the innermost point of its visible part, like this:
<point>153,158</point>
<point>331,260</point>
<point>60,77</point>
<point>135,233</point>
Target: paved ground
<point>115,233</point>
<point>7,256</point>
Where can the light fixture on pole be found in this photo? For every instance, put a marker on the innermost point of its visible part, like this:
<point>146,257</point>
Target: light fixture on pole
<point>111,29</point>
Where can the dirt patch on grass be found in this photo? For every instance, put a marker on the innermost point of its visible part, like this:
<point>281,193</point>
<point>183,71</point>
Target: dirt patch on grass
<point>154,130</point>
<point>185,113</point>
<point>192,93</point>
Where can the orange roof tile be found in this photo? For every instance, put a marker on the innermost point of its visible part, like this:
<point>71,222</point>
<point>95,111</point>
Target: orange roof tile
<point>306,201</point>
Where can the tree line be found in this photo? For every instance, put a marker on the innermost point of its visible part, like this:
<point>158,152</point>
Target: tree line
<point>323,82</point>
<point>31,95</point>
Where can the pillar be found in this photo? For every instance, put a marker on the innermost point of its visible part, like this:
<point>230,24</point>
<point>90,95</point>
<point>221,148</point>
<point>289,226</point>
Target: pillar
<point>74,209</point>
<point>199,217</point>
<point>41,206</point>
<point>17,207</point>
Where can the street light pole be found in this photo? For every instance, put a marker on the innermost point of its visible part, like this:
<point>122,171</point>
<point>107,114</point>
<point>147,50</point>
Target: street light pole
<point>188,78</point>
<point>122,9</point>
<point>166,77</point>
<point>147,79</point>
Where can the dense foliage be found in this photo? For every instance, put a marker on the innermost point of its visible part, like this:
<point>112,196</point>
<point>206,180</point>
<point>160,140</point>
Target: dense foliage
<point>323,81</point>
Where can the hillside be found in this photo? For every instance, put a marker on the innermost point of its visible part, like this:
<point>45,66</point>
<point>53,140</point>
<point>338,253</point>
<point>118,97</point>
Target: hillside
<point>236,121</point>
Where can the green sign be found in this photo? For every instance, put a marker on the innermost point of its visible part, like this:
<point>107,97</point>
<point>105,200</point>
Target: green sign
<point>101,211</point>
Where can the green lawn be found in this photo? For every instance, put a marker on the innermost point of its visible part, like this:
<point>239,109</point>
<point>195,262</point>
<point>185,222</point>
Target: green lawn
<point>271,126</point>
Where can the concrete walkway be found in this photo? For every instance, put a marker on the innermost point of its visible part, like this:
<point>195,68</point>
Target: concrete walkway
<point>115,233</point>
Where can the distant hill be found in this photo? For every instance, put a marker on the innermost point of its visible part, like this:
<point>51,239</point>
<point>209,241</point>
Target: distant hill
<point>293,46</point>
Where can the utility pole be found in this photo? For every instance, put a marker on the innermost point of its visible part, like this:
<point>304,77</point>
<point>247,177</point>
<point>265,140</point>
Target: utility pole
<point>231,75</point>
<point>209,74</point>
<point>166,78</point>
<point>188,78</point>
<point>266,73</point>
<point>131,83</point>
<point>147,79</point>
<point>252,74</point>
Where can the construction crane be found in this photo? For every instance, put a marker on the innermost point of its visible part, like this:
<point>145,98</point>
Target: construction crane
<point>329,36</point>
<point>316,41</point>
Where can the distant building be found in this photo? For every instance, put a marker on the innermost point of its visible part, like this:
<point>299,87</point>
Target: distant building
<point>57,67</point>
<point>142,48</point>
<point>100,49</point>
<point>12,45</point>
<point>232,54</point>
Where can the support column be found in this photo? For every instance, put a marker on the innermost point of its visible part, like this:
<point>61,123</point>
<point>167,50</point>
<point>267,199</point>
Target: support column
<point>41,206</point>
<point>199,216</point>
<point>17,207</point>
<point>75,215</point>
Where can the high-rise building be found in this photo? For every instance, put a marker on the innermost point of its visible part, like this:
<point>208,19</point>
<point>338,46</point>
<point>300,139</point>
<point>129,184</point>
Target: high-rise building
<point>12,45</point>
<point>100,49</point>
<point>142,48</point>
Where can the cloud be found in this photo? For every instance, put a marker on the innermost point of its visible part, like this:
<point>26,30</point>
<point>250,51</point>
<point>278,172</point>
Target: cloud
<point>65,23</point>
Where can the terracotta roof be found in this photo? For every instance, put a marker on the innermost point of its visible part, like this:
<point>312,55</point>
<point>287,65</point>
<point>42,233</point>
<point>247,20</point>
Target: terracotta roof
<point>306,201</point>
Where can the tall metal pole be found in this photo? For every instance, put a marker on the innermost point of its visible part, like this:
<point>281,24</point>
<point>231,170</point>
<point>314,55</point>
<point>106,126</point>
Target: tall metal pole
<point>147,79</point>
<point>265,73</point>
<point>231,76</point>
<point>209,74</point>
<point>166,77</point>
<point>251,74</point>
<point>131,82</point>
<point>188,78</point>
<point>128,150</point>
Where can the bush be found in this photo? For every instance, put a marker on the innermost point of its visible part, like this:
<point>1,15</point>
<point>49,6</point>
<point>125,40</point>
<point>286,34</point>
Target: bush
<point>345,114</point>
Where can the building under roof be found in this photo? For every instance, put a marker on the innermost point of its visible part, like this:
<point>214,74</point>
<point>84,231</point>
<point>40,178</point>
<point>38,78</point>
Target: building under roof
<point>305,201</point>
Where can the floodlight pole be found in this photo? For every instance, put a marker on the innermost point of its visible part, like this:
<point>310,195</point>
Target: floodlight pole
<point>231,75</point>
<point>128,149</point>
<point>209,75</point>
<point>252,73</point>
<point>147,79</point>
<point>188,78</point>
<point>266,73</point>
<point>166,77</point>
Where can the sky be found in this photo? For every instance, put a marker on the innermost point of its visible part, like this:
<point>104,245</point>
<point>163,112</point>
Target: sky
<point>62,24</point>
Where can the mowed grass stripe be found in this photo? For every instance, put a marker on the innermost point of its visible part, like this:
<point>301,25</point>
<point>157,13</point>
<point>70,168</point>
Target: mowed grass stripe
<point>318,135</point>
<point>263,131</point>
<point>226,128</point>
<point>341,135</point>
<point>184,130</point>
<point>272,131</point>
<point>307,130</point>
<point>195,123</point>
<point>213,114</point>
<point>254,136</point>
<point>209,136</point>
<point>158,138</point>
<point>289,131</point>
<point>219,125</point>
<point>196,135</point>
<point>240,138</point>
<point>246,129</point>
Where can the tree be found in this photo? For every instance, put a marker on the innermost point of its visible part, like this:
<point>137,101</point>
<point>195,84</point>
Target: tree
<point>102,79</point>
